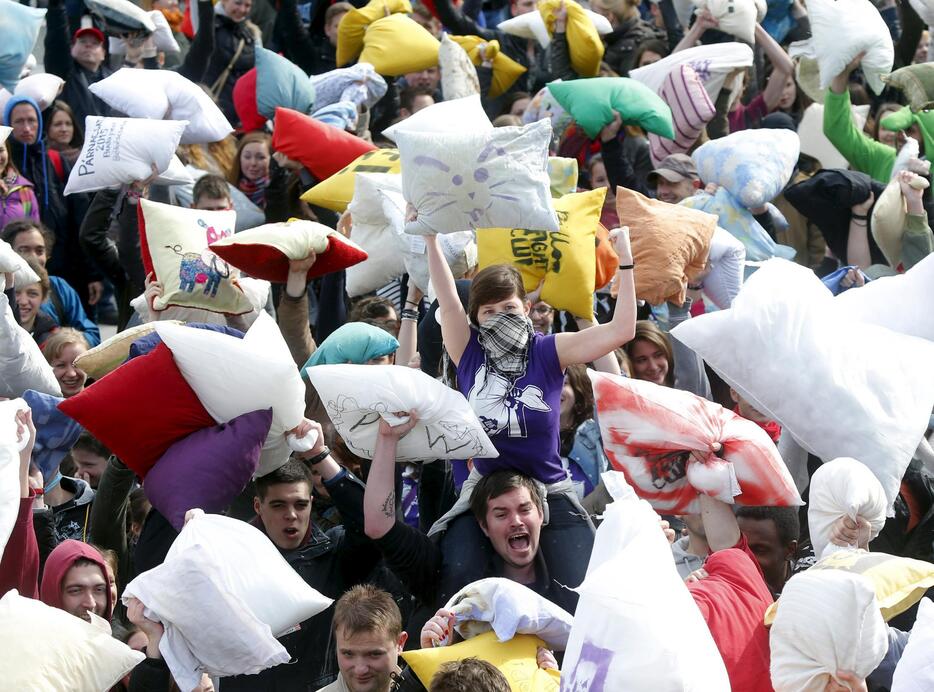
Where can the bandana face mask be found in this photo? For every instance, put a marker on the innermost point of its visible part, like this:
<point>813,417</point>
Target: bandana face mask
<point>505,340</point>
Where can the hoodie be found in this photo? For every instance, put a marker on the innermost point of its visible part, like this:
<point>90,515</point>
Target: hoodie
<point>56,567</point>
<point>72,518</point>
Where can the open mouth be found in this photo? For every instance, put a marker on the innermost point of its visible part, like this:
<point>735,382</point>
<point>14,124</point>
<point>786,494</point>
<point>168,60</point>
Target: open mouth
<point>519,541</point>
<point>291,531</point>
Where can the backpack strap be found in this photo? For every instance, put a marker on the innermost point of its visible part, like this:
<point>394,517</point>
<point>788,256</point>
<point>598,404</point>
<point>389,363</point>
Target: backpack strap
<point>56,158</point>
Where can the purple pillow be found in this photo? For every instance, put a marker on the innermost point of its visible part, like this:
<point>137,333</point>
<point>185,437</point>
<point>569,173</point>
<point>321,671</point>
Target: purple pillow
<point>145,344</point>
<point>209,468</point>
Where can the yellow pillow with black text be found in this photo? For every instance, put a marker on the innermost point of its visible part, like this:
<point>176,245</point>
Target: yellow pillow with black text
<point>335,192</point>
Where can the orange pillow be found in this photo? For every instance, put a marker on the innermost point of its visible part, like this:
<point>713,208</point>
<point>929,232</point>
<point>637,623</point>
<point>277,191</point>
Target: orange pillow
<point>607,259</point>
<point>321,148</point>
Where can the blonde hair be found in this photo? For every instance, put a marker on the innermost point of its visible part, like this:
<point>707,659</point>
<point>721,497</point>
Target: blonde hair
<point>57,341</point>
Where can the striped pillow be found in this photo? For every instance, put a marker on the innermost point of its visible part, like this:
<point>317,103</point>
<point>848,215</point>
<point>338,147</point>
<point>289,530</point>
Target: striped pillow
<point>691,110</point>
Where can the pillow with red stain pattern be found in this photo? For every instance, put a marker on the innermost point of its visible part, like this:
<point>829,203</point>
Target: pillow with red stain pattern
<point>321,148</point>
<point>672,445</point>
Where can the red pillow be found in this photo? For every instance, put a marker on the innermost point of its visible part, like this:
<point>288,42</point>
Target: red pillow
<point>321,148</point>
<point>140,409</point>
<point>244,100</point>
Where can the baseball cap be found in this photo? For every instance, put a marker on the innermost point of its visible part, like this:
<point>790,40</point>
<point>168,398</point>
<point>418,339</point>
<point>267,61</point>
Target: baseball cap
<point>88,31</point>
<point>674,168</point>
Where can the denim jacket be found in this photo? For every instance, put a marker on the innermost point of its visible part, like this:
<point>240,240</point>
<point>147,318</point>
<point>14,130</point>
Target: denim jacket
<point>587,451</point>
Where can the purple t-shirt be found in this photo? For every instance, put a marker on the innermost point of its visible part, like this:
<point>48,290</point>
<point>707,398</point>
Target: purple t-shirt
<point>522,421</point>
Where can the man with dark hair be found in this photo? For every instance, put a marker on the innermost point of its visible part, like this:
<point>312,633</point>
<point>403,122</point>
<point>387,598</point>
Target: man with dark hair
<point>413,99</point>
<point>469,674</point>
<point>772,533</point>
<point>211,193</point>
<point>90,457</point>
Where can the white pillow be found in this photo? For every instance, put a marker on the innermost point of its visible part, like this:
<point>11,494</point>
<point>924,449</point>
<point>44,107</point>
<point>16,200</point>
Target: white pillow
<point>122,12</point>
<point>459,250</point>
<point>713,64</point>
<point>22,365</point>
<point>815,143</point>
<point>163,37</point>
<point>636,626</point>
<point>45,648</point>
<point>117,151</point>
<point>4,130</point>
<point>358,83</point>
<point>233,376</point>
<point>467,180</point>
<point>378,213</point>
<point>826,620</point>
<point>736,17</point>
<point>849,397</point>
<point>176,174</point>
<point>42,88</point>
<point>454,116</point>
<point>925,10</point>
<point>12,263</point>
<point>9,468</point>
<point>915,669</point>
<point>527,25</point>
<point>357,396</point>
<point>727,258</point>
<point>840,30</point>
<point>458,73</point>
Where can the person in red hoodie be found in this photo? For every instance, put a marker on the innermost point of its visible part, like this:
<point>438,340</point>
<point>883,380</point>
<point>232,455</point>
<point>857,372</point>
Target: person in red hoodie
<point>75,580</point>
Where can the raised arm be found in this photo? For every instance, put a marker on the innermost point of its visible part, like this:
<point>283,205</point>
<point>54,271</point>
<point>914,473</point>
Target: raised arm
<point>455,330</point>
<point>57,59</point>
<point>459,24</point>
<point>720,524</point>
<point>19,563</point>
<point>783,67</point>
<point>292,311</point>
<point>857,244</point>
<point>379,500</point>
<point>408,326</point>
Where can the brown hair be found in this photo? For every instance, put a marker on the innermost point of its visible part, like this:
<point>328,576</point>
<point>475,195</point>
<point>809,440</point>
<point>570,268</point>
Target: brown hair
<point>233,171</point>
<point>336,8</point>
<point>583,394</point>
<point>491,285</point>
<point>499,483</point>
<point>77,136</point>
<point>365,608</point>
<point>14,228</point>
<point>210,185</point>
<point>469,674</point>
<point>43,277</point>
<point>56,343</point>
<point>647,330</point>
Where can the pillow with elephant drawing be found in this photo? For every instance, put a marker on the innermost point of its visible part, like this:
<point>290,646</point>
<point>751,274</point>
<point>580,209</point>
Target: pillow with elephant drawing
<point>174,244</point>
<point>461,181</point>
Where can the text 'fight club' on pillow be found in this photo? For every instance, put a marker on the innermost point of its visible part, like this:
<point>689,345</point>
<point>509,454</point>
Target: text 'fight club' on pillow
<point>118,151</point>
<point>463,181</point>
<point>264,252</point>
<point>321,148</point>
<point>356,398</point>
<point>336,191</point>
<point>385,36</point>
<point>565,259</point>
<point>174,244</point>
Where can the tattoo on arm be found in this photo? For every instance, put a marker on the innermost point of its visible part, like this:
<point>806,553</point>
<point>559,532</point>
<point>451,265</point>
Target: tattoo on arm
<point>389,506</point>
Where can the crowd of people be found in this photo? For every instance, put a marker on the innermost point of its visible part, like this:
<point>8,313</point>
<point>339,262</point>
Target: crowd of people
<point>393,540</point>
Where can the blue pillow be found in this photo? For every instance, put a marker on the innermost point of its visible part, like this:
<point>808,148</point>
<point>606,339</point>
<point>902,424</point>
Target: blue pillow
<point>19,27</point>
<point>281,83</point>
<point>56,433</point>
<point>145,344</point>
<point>354,342</point>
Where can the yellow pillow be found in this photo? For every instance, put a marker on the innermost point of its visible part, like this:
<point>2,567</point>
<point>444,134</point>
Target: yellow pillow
<point>566,259</point>
<point>335,192</point>
<point>900,582</point>
<point>396,45</point>
<point>505,70</point>
<point>584,42</point>
<point>563,174</point>
<point>353,25</point>
<point>110,354</point>
<point>516,659</point>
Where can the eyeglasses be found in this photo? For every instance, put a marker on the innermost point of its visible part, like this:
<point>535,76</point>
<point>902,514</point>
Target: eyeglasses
<point>542,309</point>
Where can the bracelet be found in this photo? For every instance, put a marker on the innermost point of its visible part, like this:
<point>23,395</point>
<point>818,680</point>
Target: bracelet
<point>861,217</point>
<point>409,315</point>
<point>319,457</point>
<point>623,267</point>
<point>411,302</point>
<point>859,222</point>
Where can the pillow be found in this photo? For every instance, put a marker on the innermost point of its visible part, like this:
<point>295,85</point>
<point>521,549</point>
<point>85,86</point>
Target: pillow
<point>110,409</point>
<point>889,218</point>
<point>353,26</point>
<point>384,37</point>
<point>814,142</point>
<point>925,10</point>
<point>232,377</point>
<point>840,30</point>
<point>852,398</point>
<point>12,263</point>
<point>353,342</point>
<point>265,251</point>
<point>843,488</point>
<point>122,14</point>
<point>19,26</point>
<point>584,43</point>
<point>727,260</point>
<point>565,259</point>
<point>669,646</point>
<point>827,621</point>
<point>486,179</point>
<point>162,37</point>
<point>807,75</point>
<point>321,148</point>
<point>174,244</point>
<point>280,82</point>
<point>336,191</point>
<point>117,151</point>
<point>661,438</point>
<point>515,659</point>
<point>377,215</point>
<point>22,365</point>
<point>505,70</point>
<point>607,259</point>
<point>915,671</point>
<point>753,165</point>
<point>144,344</point>
<point>736,17</point>
<point>56,433</point>
<point>111,353</point>
<point>543,105</point>
<point>248,214</point>
<point>454,116</point>
<point>591,103</point>
<point>42,88</point>
<point>916,82</point>
<point>563,174</point>
<point>176,174</point>
<point>244,101</point>
<point>209,468</point>
<point>357,396</point>
<point>528,25</point>
<point>669,245</point>
<point>9,468</point>
<point>691,110</point>
<point>358,83</point>
<point>86,656</point>
<point>714,64</point>
<point>458,249</point>
<point>458,74</point>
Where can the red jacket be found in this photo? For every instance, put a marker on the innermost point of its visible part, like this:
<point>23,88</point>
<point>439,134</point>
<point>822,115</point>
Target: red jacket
<point>19,566</point>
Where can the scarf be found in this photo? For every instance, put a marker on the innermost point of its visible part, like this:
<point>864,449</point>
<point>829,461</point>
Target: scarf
<point>255,190</point>
<point>773,429</point>
<point>505,341</point>
<point>174,18</point>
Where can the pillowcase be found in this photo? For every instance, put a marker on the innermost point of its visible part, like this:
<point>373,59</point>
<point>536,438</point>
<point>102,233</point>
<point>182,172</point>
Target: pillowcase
<point>814,142</point>
<point>209,468</point>
<point>607,259</point>
<point>280,82</point>
<point>591,103</point>
<point>691,110</point>
<point>174,244</point>
<point>851,398</point>
<point>265,251</point>
<point>753,165</point>
<point>122,14</point>
<point>889,218</point>
<point>353,26</point>
<point>925,10</point>
<point>162,37</point>
<point>384,37</point>
<point>727,260</point>
<point>336,191</point>
<point>232,377</point>
<point>353,342</point>
<point>529,25</point>
<point>827,621</point>
<point>86,656</point>
<point>458,74</point>
<point>377,215</point>
<point>714,64</point>
<point>661,439</point>
<point>147,343</point>
<point>9,468</point>
<point>565,259</point>
<point>12,263</point>
<point>915,671</point>
<point>22,365</point>
<point>505,70</point>
<point>584,43</point>
<point>140,409</point>
<point>19,26</point>
<point>111,353</point>
<point>357,396</point>
<point>563,174</point>
<point>42,88</point>
<point>451,116</point>
<point>117,151</point>
<point>736,17</point>
<point>916,82</point>
<point>244,101</point>
<point>56,433</point>
<point>469,180</point>
<point>358,83</point>
<point>669,245</point>
<point>321,148</point>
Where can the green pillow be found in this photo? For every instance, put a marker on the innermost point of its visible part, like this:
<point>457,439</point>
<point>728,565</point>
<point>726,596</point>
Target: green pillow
<point>916,82</point>
<point>591,103</point>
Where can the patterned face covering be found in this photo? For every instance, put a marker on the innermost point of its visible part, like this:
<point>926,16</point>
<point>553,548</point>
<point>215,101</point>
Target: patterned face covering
<point>505,340</point>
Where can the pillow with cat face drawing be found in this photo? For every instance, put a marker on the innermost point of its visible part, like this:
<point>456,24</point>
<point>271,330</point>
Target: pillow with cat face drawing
<point>464,181</point>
